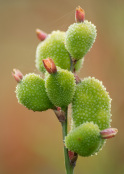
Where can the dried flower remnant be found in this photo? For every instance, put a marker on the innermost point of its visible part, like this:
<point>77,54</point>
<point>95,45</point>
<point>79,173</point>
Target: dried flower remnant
<point>17,75</point>
<point>49,65</point>
<point>79,14</point>
<point>108,133</point>
<point>41,35</point>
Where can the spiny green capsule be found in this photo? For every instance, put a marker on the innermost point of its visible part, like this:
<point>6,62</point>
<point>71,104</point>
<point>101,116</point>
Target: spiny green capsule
<point>31,93</point>
<point>53,46</point>
<point>80,38</point>
<point>91,102</point>
<point>85,140</point>
<point>60,87</point>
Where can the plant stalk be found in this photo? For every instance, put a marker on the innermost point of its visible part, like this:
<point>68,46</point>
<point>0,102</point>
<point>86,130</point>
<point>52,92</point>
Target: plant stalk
<point>68,166</point>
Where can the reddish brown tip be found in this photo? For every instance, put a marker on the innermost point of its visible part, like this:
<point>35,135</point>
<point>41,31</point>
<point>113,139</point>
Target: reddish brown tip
<point>73,157</point>
<point>79,14</point>
<point>17,75</point>
<point>58,109</point>
<point>49,65</point>
<point>60,114</point>
<point>41,35</point>
<point>108,133</point>
<point>77,79</point>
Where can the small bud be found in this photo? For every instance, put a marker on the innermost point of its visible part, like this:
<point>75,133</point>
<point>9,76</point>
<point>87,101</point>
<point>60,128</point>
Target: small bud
<point>79,14</point>
<point>73,157</point>
<point>108,133</point>
<point>60,114</point>
<point>49,65</point>
<point>59,109</point>
<point>78,80</point>
<point>17,75</point>
<point>41,35</point>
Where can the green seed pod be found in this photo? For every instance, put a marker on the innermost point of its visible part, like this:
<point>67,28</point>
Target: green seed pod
<point>91,102</point>
<point>80,38</point>
<point>85,140</point>
<point>53,46</point>
<point>31,92</point>
<point>60,87</point>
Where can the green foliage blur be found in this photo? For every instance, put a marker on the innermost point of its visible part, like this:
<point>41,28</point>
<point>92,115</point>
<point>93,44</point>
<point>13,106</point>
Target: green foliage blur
<point>31,142</point>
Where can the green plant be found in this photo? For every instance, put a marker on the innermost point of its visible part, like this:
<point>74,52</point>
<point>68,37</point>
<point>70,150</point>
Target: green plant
<point>59,56</point>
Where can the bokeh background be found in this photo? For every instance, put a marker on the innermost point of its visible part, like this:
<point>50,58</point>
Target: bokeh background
<point>31,142</point>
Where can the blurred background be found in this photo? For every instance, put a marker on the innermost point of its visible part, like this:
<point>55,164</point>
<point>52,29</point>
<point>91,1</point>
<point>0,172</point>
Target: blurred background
<point>31,142</point>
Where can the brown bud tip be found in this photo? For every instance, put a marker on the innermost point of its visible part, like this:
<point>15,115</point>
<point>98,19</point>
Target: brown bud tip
<point>108,133</point>
<point>58,108</point>
<point>78,80</point>
<point>49,65</point>
<point>41,35</point>
<point>79,14</point>
<point>73,157</point>
<point>17,75</point>
<point>60,114</point>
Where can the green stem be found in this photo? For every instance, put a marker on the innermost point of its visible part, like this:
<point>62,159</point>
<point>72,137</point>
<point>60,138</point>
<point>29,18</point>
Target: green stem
<point>68,166</point>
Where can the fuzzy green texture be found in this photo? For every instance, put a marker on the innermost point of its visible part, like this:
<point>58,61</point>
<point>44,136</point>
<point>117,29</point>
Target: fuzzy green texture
<point>53,46</point>
<point>31,93</point>
<point>91,102</point>
<point>84,140</point>
<point>60,87</point>
<point>80,38</point>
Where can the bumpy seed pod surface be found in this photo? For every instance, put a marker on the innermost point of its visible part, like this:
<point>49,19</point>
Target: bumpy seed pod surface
<point>84,140</point>
<point>80,38</point>
<point>53,46</point>
<point>32,94</point>
<point>60,87</point>
<point>91,102</point>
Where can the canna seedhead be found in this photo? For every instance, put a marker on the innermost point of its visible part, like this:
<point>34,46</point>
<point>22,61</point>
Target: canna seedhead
<point>91,104</point>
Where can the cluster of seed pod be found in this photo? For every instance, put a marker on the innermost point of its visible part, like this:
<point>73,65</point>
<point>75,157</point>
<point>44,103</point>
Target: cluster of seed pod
<point>59,56</point>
